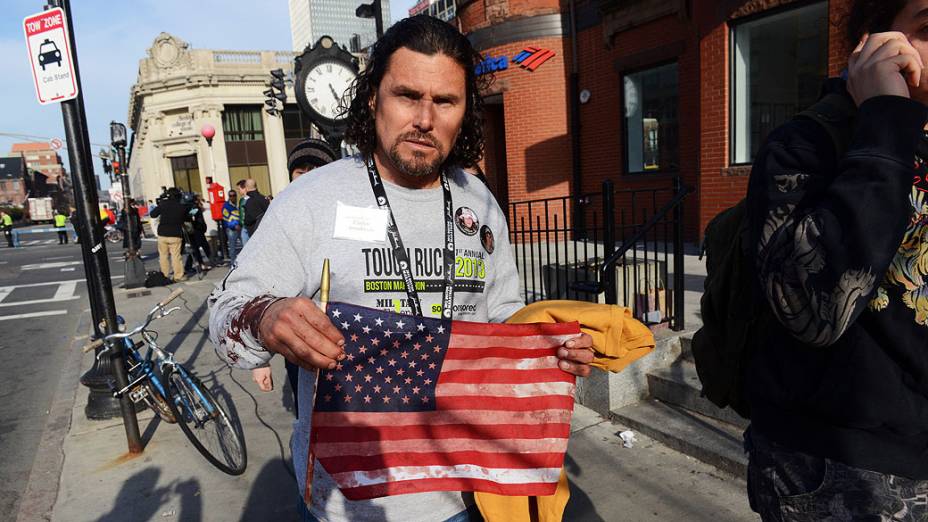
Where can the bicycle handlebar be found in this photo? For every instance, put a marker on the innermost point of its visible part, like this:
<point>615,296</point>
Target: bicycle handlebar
<point>159,308</point>
<point>92,346</point>
<point>174,295</point>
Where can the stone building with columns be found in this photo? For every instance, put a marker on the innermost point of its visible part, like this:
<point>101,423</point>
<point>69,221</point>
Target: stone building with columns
<point>179,90</point>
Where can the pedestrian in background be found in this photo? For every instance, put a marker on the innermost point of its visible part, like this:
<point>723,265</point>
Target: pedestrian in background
<point>232,222</point>
<point>6,224</point>
<point>61,223</point>
<point>196,233</point>
<point>255,207</point>
<point>216,194</point>
<point>172,215</point>
<point>242,199</point>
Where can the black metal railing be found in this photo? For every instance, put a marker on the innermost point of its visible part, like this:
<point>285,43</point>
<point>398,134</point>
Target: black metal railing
<point>566,248</point>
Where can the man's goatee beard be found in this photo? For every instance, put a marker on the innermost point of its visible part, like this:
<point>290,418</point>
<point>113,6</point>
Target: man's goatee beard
<point>418,167</point>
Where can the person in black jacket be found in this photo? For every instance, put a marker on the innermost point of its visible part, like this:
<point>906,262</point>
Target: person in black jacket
<point>838,386</point>
<point>172,216</point>
<point>196,233</point>
<point>255,207</point>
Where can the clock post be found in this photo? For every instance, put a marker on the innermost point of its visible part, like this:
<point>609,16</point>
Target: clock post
<point>324,75</point>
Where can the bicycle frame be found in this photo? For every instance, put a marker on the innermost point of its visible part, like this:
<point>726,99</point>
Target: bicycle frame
<point>147,371</point>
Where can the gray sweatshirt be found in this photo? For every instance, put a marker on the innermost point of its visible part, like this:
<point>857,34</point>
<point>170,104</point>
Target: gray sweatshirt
<point>319,217</point>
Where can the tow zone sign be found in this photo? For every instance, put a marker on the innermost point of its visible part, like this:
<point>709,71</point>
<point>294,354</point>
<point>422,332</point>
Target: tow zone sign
<point>50,56</point>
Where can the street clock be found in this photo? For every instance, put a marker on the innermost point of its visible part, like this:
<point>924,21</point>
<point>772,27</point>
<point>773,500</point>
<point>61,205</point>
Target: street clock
<point>324,75</point>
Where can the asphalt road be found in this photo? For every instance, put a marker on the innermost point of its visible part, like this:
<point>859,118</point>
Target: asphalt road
<point>42,295</point>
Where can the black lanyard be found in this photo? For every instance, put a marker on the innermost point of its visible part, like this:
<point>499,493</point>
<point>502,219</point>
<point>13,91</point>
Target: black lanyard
<point>400,254</point>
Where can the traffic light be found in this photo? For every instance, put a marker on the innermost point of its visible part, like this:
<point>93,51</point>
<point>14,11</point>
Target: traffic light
<point>277,92</point>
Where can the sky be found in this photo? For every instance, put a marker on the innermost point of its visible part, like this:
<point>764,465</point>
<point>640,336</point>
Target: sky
<point>111,38</point>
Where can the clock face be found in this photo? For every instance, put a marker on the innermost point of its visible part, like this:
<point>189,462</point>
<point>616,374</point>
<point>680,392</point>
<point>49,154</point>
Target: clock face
<point>327,83</point>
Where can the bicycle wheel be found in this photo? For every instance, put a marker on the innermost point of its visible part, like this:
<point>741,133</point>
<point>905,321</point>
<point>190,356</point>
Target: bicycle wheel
<point>204,421</point>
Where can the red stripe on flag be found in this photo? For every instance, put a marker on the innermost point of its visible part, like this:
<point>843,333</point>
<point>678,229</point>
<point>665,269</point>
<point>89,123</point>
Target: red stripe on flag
<point>506,403</point>
<point>489,460</point>
<point>505,376</point>
<point>443,431</point>
<point>534,329</point>
<point>448,484</point>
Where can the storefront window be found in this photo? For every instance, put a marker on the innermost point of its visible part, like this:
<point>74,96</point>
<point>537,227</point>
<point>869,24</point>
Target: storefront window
<point>242,123</point>
<point>651,137</point>
<point>186,174</point>
<point>778,65</point>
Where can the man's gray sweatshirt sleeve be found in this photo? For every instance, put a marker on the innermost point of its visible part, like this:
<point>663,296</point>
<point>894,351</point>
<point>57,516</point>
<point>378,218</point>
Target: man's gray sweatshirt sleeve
<point>267,268</point>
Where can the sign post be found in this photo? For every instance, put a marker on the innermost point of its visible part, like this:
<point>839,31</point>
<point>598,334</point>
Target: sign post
<point>53,54</point>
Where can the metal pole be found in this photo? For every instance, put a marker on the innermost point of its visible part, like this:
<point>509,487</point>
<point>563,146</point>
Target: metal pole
<point>579,211</point>
<point>609,241</point>
<point>678,321</point>
<point>378,19</point>
<point>92,242</point>
<point>134,268</point>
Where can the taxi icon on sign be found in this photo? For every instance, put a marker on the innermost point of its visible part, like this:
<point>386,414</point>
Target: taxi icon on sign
<point>48,53</point>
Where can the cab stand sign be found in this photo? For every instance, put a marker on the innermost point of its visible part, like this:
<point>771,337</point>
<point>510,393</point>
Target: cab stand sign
<point>50,55</point>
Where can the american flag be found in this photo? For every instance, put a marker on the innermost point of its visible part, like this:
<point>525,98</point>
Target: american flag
<point>422,404</point>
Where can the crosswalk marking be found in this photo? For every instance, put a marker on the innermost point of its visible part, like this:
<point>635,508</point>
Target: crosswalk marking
<point>32,314</point>
<point>57,264</point>
<point>65,291</point>
<point>41,301</point>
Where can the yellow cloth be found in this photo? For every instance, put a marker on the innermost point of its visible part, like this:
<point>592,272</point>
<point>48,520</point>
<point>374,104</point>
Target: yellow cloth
<point>618,340</point>
<point>60,220</point>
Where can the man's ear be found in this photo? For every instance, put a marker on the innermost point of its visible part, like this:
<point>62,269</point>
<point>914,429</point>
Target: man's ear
<point>372,102</point>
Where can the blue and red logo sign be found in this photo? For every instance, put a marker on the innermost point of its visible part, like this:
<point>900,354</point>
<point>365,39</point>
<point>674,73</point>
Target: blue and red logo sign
<point>530,58</point>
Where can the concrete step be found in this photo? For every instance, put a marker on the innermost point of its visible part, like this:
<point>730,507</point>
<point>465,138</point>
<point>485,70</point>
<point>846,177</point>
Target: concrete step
<point>679,384</point>
<point>686,347</point>
<point>703,438</point>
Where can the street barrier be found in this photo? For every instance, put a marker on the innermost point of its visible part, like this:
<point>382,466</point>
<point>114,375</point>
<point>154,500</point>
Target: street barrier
<point>19,231</point>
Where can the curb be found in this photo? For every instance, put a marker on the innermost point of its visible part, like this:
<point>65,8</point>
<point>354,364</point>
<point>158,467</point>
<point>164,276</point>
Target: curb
<point>41,492</point>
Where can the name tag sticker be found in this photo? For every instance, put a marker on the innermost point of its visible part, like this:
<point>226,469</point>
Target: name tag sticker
<point>360,224</point>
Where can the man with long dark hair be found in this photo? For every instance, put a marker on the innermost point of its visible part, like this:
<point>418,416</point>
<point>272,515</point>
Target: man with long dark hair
<point>416,120</point>
<point>838,386</point>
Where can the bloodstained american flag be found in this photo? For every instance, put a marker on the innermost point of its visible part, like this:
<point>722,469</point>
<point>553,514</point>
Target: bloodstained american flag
<point>422,404</point>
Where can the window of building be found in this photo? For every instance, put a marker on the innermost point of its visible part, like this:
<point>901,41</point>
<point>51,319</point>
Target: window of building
<point>296,124</point>
<point>259,173</point>
<point>651,130</point>
<point>242,123</point>
<point>187,174</point>
<point>778,65</point>
<point>16,186</point>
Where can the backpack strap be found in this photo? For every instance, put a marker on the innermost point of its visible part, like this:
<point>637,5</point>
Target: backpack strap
<point>835,111</point>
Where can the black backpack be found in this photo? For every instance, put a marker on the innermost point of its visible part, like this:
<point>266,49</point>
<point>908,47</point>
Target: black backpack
<point>734,315</point>
<point>156,278</point>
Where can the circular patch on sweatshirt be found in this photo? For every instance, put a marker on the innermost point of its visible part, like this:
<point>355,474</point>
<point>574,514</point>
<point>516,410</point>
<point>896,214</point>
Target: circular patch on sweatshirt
<point>466,220</point>
<point>486,239</point>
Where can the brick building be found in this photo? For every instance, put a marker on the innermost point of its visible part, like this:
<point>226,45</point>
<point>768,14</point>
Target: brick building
<point>664,88</point>
<point>12,188</point>
<point>46,174</point>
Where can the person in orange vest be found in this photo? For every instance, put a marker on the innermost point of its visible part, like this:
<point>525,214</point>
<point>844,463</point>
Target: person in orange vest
<point>217,199</point>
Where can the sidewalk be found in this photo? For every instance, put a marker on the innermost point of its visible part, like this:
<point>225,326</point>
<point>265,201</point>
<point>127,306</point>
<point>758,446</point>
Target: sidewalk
<point>171,481</point>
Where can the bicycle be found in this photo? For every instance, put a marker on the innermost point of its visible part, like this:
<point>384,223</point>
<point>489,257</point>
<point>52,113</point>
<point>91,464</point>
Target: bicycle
<point>175,394</point>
